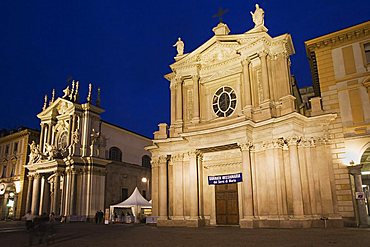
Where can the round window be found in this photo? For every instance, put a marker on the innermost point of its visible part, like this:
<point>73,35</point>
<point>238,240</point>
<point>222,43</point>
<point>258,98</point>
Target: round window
<point>224,102</point>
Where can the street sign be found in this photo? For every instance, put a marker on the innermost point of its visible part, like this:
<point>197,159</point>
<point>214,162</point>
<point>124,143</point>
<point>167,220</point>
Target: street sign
<point>225,179</point>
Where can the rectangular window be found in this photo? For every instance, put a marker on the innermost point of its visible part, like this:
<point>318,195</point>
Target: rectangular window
<point>367,52</point>
<point>124,194</point>
<point>7,149</point>
<point>4,171</point>
<point>15,149</point>
<point>144,194</point>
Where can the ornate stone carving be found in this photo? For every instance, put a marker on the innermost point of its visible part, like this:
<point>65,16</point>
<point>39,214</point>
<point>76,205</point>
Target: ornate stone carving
<point>258,16</point>
<point>177,157</point>
<point>245,146</point>
<point>179,47</point>
<point>293,140</point>
<point>50,151</point>
<point>35,153</point>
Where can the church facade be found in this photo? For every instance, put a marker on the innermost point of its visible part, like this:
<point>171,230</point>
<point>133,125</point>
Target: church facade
<point>237,151</point>
<point>82,164</point>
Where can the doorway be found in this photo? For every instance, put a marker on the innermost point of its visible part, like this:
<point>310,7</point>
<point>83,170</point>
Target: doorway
<point>227,210</point>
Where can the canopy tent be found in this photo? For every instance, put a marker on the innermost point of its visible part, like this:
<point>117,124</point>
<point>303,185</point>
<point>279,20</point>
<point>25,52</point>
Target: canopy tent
<point>136,202</point>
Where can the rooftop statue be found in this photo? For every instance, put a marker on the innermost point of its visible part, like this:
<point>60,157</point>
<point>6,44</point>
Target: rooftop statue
<point>180,47</point>
<point>258,16</point>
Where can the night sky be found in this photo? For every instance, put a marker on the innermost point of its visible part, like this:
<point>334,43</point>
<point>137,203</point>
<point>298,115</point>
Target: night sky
<point>125,48</point>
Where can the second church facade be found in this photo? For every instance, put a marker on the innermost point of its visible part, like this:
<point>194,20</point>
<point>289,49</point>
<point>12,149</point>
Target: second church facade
<point>238,150</point>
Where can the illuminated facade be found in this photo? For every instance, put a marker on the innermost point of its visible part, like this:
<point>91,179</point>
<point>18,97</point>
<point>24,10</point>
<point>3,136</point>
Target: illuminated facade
<point>238,150</point>
<point>13,180</point>
<point>82,164</point>
<point>340,65</point>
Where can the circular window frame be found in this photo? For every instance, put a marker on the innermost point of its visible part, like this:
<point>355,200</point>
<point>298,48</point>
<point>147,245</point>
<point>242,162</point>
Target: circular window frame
<point>224,95</point>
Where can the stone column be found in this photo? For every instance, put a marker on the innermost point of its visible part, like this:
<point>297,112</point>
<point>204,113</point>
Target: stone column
<point>173,100</point>
<point>42,195</point>
<point>247,190</point>
<point>29,193</point>
<point>35,195</point>
<point>295,176</point>
<point>179,100</point>
<point>247,85</point>
<point>193,185</point>
<point>56,197</point>
<point>355,170</point>
<point>177,160</point>
<point>50,130</point>
<point>162,193</point>
<point>195,98</point>
<point>265,77</point>
<point>42,133</point>
<point>155,189</point>
<point>200,185</point>
<point>73,193</point>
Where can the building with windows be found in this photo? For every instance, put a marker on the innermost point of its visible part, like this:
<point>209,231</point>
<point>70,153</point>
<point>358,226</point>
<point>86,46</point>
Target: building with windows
<point>340,65</point>
<point>83,164</point>
<point>239,151</point>
<point>13,175</point>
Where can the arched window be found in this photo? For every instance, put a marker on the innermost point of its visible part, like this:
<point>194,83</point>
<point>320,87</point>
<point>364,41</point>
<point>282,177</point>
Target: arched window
<point>145,161</point>
<point>115,154</point>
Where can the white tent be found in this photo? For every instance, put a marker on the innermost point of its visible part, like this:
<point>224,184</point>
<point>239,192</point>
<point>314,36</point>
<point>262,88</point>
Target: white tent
<point>136,202</point>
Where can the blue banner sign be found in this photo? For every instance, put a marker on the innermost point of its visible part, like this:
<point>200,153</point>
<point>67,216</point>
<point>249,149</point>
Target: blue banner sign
<point>225,179</point>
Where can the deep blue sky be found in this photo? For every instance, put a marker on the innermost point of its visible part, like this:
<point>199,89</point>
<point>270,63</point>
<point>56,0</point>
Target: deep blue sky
<point>125,47</point>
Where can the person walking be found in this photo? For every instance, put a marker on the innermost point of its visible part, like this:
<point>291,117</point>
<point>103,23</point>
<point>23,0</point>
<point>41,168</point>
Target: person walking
<point>29,220</point>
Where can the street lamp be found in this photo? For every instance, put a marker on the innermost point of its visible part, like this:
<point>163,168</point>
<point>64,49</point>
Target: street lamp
<point>146,181</point>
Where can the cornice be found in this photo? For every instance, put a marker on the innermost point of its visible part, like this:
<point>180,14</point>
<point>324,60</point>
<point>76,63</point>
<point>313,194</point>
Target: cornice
<point>17,135</point>
<point>339,37</point>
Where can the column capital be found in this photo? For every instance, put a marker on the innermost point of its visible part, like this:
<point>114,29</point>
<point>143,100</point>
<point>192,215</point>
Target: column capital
<point>293,140</point>
<point>262,53</point>
<point>195,77</point>
<point>178,81</point>
<point>177,157</point>
<point>246,61</point>
<point>245,146</point>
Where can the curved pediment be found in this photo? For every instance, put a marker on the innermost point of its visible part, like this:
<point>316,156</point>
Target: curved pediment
<point>58,107</point>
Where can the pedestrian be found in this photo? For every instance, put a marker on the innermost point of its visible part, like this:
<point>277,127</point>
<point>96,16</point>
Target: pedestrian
<point>101,216</point>
<point>97,217</point>
<point>29,220</point>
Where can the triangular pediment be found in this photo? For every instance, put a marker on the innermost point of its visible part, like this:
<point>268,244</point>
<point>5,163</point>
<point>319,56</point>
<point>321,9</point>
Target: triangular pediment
<point>218,49</point>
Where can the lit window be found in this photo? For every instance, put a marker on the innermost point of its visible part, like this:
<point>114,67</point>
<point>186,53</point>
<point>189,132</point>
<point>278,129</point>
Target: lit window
<point>224,102</point>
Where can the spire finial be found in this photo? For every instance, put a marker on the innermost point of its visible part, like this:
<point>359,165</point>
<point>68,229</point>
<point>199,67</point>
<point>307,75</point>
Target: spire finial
<point>52,97</point>
<point>72,90</point>
<point>45,102</point>
<point>89,94</point>
<point>75,99</point>
<point>98,98</point>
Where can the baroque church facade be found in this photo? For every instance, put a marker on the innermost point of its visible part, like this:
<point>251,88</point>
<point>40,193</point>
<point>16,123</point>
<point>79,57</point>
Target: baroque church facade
<point>238,151</point>
<point>82,164</point>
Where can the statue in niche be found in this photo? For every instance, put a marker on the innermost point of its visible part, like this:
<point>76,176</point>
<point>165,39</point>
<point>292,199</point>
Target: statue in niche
<point>95,136</point>
<point>50,152</point>
<point>258,16</point>
<point>180,47</point>
<point>35,153</point>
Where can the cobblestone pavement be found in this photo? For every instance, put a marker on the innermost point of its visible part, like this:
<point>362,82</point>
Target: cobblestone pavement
<point>89,234</point>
